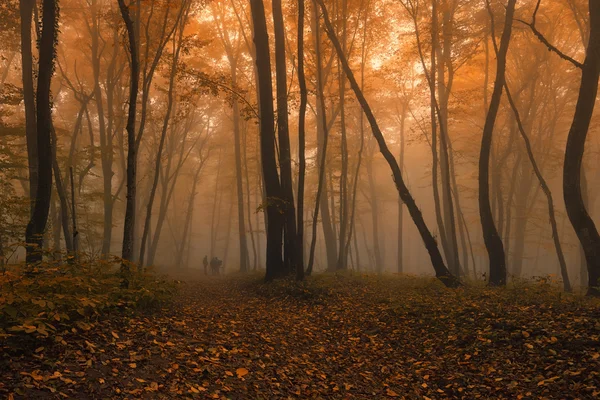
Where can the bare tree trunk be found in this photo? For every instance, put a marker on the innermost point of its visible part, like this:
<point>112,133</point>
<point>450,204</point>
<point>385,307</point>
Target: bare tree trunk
<point>301,144</point>
<point>322,130</point>
<point>62,197</point>
<point>267,143</point>
<point>434,134</point>
<point>177,44</point>
<point>440,268</point>
<point>26,12</point>
<point>352,230</point>
<point>493,242</point>
<point>547,193</point>
<point>39,218</point>
<point>576,210</point>
<point>374,214</point>
<point>400,244</point>
<point>321,184</point>
<point>105,137</point>
<point>285,162</point>
<point>343,254</point>
<point>129,223</point>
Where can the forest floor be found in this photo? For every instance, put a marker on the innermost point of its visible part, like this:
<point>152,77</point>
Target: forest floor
<point>334,337</point>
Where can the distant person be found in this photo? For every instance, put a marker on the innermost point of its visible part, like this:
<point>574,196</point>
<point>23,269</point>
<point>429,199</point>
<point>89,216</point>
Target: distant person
<point>215,266</point>
<point>205,263</point>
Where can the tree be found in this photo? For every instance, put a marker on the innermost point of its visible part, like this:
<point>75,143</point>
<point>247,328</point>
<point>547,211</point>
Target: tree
<point>129,223</point>
<point>47,45</point>
<point>283,134</point>
<point>26,13</point>
<point>493,241</point>
<point>301,143</point>
<point>274,266</point>
<point>576,209</point>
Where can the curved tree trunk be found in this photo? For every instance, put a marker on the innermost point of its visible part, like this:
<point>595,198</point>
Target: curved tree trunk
<point>493,242</point>
<point>576,210</point>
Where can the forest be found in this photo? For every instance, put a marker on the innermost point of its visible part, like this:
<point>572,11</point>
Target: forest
<point>299,199</point>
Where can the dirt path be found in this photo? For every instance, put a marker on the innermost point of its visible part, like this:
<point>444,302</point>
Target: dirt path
<point>235,339</point>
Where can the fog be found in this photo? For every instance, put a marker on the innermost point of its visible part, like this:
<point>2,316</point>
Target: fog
<point>456,88</point>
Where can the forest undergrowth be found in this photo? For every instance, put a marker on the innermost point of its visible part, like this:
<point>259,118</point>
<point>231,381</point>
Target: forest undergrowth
<point>333,336</point>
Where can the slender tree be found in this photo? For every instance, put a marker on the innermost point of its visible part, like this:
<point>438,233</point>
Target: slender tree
<point>47,51</point>
<point>26,12</point>
<point>576,209</point>
<point>267,143</point>
<point>129,223</point>
<point>491,237</point>
<point>301,143</point>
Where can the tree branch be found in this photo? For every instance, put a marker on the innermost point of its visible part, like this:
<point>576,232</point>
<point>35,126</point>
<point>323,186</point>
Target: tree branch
<point>545,41</point>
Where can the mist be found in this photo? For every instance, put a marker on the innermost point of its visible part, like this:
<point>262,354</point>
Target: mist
<point>229,126</point>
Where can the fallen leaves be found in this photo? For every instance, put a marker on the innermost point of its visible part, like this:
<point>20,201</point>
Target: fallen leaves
<point>347,338</point>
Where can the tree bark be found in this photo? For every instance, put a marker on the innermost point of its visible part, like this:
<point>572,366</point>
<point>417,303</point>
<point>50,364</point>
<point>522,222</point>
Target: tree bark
<point>129,223</point>
<point>285,161</point>
<point>576,210</point>
<point>493,242</point>
<point>267,143</point>
<point>319,200</point>
<point>47,45</point>
<point>301,144</point>
<point>26,12</point>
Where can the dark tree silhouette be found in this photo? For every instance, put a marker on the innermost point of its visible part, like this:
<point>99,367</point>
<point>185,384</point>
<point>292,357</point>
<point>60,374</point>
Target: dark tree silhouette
<point>41,208</point>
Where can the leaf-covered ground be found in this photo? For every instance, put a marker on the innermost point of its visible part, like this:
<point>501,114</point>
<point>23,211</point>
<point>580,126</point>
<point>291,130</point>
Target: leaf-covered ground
<point>334,337</point>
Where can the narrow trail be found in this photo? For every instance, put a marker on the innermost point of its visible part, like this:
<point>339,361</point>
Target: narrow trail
<point>239,339</point>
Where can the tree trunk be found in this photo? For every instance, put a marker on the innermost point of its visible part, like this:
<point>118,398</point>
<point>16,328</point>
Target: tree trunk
<point>556,238</point>
<point>576,210</point>
<point>47,45</point>
<point>437,261</point>
<point>493,242</point>
<point>322,129</point>
<point>129,223</point>
<point>285,162</point>
<point>400,244</point>
<point>267,143</point>
<point>301,144</point>
<point>177,43</point>
<point>26,11</point>
<point>343,253</point>
<point>320,200</point>
<point>62,197</point>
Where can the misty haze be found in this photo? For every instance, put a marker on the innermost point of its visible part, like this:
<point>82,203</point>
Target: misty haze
<point>259,199</point>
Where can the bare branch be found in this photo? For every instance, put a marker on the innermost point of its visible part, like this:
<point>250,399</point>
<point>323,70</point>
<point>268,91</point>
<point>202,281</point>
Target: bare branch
<point>545,41</point>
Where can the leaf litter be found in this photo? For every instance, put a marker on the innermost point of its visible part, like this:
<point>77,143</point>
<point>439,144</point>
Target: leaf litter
<point>347,337</point>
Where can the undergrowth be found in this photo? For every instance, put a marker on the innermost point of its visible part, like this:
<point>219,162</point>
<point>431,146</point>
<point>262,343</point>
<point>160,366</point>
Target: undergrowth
<point>38,303</point>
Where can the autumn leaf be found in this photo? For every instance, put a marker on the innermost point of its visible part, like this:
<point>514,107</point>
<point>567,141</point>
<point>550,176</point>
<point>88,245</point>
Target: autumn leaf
<point>240,372</point>
<point>389,392</point>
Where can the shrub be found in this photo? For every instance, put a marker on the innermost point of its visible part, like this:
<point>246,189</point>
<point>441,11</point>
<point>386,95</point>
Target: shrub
<point>56,295</point>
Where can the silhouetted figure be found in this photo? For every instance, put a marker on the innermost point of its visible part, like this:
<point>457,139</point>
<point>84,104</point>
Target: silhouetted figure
<point>215,265</point>
<point>205,263</point>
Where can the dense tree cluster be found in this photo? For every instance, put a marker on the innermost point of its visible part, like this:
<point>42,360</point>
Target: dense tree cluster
<point>163,130</point>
